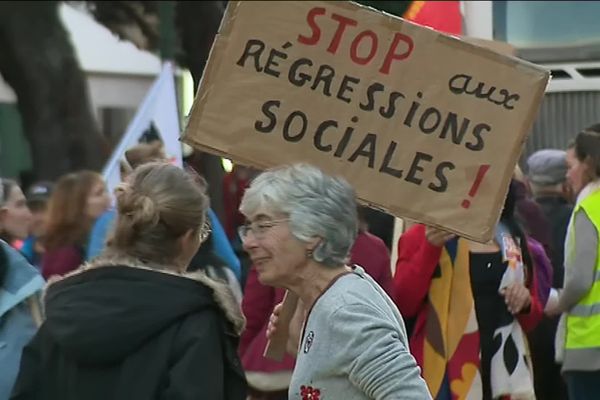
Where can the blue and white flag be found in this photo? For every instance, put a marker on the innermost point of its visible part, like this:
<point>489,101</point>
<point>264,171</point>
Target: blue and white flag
<point>157,117</point>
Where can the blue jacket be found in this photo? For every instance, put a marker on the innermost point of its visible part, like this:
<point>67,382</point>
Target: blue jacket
<point>28,250</point>
<point>221,245</point>
<point>17,325</point>
<point>99,233</point>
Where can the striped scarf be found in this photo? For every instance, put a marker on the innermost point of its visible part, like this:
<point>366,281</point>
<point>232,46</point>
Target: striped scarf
<point>451,353</point>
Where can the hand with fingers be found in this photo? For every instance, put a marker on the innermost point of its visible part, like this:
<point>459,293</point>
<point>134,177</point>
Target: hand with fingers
<point>274,321</point>
<point>438,237</point>
<point>517,297</point>
<point>293,326</point>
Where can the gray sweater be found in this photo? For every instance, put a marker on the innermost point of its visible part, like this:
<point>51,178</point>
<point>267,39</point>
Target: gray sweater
<point>355,346</point>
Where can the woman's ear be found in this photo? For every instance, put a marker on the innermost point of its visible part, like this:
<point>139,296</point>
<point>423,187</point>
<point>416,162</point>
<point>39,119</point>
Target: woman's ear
<point>312,245</point>
<point>190,239</point>
<point>189,243</point>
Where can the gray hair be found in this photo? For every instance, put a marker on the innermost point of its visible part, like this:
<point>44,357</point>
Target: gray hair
<point>317,204</point>
<point>537,189</point>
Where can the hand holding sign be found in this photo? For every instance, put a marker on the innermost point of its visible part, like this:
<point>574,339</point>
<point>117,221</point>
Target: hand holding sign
<point>284,327</point>
<point>438,237</point>
<point>517,297</point>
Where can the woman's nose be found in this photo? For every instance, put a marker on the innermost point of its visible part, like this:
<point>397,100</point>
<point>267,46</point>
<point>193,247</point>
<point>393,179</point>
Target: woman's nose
<point>249,241</point>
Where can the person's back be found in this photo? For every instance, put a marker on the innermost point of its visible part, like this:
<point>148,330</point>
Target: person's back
<point>132,324</point>
<point>124,332</point>
<point>558,212</point>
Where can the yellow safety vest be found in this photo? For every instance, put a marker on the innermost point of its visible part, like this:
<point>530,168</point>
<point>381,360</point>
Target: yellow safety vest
<point>583,320</point>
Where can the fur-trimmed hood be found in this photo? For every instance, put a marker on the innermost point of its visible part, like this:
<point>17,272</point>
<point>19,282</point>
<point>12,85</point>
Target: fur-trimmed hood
<point>108,308</point>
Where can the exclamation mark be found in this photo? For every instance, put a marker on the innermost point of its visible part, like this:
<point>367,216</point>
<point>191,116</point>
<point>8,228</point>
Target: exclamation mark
<point>466,203</point>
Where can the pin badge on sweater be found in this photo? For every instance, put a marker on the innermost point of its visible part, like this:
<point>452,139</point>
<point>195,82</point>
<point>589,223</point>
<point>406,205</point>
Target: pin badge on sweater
<point>309,341</point>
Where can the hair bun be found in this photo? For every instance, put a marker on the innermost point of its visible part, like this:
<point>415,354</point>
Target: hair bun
<point>157,205</point>
<point>137,207</point>
<point>146,211</point>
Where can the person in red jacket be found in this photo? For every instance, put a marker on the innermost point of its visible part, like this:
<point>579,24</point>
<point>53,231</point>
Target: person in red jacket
<point>234,185</point>
<point>371,253</point>
<point>267,379</point>
<point>473,304</point>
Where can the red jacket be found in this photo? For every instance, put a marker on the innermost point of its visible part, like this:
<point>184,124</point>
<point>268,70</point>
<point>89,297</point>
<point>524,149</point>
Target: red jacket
<point>61,261</point>
<point>257,305</point>
<point>371,253</point>
<point>233,191</point>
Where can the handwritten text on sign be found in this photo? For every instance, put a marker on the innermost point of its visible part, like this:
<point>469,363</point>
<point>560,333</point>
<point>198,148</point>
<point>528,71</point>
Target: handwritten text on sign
<point>423,125</point>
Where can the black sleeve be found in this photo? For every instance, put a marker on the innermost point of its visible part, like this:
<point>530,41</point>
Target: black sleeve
<point>29,379</point>
<point>198,371</point>
<point>560,234</point>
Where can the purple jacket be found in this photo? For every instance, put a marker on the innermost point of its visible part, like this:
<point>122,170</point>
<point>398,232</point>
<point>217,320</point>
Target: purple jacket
<point>532,216</point>
<point>542,269</point>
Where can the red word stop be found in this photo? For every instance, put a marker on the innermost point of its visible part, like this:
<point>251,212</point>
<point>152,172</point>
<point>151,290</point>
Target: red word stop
<point>400,47</point>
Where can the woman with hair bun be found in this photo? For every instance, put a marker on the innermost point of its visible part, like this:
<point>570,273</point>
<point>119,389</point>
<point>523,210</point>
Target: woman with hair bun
<point>578,335</point>
<point>132,324</point>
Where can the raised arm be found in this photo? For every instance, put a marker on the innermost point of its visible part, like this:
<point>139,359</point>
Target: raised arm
<point>417,260</point>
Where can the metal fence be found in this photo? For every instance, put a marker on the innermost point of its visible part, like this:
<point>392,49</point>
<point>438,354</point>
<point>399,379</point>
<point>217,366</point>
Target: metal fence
<point>561,116</point>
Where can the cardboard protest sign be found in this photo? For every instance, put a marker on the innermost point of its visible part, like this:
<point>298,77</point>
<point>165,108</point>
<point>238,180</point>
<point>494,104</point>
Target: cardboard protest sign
<point>424,125</point>
<point>495,45</point>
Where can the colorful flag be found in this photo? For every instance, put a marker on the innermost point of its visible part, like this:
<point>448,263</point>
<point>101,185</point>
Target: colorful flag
<point>443,16</point>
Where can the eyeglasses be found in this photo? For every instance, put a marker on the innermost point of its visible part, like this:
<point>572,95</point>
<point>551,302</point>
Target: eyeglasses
<point>258,228</point>
<point>205,231</point>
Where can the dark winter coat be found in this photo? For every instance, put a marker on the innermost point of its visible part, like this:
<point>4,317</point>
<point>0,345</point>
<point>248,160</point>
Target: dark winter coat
<point>558,212</point>
<point>115,330</point>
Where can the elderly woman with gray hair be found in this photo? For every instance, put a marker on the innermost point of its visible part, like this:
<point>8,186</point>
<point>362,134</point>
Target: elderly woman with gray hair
<point>352,342</point>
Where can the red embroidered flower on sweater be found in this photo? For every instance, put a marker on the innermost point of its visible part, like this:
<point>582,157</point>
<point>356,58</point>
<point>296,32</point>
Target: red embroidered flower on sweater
<point>309,393</point>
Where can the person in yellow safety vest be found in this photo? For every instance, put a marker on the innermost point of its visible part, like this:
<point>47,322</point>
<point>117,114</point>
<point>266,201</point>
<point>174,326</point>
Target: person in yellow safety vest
<point>578,336</point>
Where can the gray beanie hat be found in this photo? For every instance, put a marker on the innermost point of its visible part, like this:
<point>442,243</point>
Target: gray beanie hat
<point>547,167</point>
